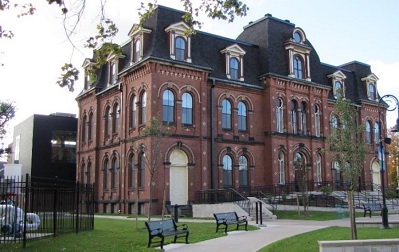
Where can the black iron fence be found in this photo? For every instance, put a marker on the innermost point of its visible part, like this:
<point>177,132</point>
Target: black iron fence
<point>32,208</point>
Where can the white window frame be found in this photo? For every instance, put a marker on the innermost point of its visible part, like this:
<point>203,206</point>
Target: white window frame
<point>301,50</point>
<point>137,33</point>
<point>234,51</point>
<point>371,79</point>
<point>335,77</point>
<point>179,30</point>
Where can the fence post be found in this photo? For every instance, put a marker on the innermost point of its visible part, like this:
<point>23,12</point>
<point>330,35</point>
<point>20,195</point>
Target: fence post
<point>55,206</point>
<point>77,194</point>
<point>256,210</point>
<point>27,197</point>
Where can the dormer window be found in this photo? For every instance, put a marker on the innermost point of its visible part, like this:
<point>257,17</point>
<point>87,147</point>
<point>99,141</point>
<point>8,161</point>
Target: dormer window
<point>180,49</point>
<point>90,75</point>
<point>338,83</point>
<point>298,54</point>
<point>113,68</point>
<point>234,56</point>
<point>371,86</point>
<point>179,42</point>
<point>139,36</point>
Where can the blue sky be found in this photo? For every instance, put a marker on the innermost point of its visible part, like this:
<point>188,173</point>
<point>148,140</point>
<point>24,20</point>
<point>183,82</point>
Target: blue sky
<point>340,31</point>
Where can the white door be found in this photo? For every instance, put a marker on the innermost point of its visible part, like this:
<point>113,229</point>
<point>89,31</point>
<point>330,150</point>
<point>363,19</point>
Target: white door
<point>178,178</point>
<point>376,173</point>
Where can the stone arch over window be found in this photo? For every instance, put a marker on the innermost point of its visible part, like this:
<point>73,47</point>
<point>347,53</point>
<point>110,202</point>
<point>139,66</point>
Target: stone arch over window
<point>183,147</point>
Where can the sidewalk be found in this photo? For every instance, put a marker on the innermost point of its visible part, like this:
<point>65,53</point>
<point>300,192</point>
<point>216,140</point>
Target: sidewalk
<point>274,230</point>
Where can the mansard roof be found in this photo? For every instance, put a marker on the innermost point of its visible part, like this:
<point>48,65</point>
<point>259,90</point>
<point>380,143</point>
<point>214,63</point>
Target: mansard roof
<point>263,42</point>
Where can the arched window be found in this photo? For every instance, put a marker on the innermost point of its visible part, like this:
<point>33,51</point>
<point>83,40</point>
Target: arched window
<point>299,161</point>
<point>131,178</point>
<point>368,132</point>
<point>83,127</point>
<point>226,114</point>
<point>107,122</point>
<point>338,89</point>
<point>115,119</point>
<point>317,120</point>
<point>227,171</point>
<point>318,168</point>
<point>132,121</point>
<point>88,176</point>
<point>187,109</point>
<point>141,171</point>
<point>281,170</point>
<point>143,108</point>
<point>377,132</point>
<point>334,127</point>
<point>298,67</point>
<point>82,173</point>
<point>90,128</point>
<point>105,174</point>
<point>180,48</point>
<point>294,117</point>
<point>243,171</point>
<point>242,116</point>
<point>234,68</point>
<point>168,107</point>
<point>372,91</point>
<point>303,119</point>
<point>280,115</point>
<point>114,174</point>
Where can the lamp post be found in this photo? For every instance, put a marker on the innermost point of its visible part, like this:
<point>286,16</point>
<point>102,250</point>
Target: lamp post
<point>381,150</point>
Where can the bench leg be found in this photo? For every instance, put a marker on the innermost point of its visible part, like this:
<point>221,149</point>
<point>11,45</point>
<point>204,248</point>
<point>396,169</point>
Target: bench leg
<point>225,229</point>
<point>187,237</point>
<point>149,242</point>
<point>163,238</point>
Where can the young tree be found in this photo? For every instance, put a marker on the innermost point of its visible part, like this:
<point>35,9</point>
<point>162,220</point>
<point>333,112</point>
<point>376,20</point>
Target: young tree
<point>106,29</point>
<point>302,176</point>
<point>150,149</point>
<point>348,147</point>
<point>393,150</point>
<point>7,112</point>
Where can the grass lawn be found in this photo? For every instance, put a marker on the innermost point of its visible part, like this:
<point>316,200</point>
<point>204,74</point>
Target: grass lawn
<point>115,235</point>
<point>308,242</point>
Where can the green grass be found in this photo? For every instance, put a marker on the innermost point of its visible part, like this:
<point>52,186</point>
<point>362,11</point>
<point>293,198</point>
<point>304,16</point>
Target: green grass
<point>115,235</point>
<point>311,215</point>
<point>308,242</point>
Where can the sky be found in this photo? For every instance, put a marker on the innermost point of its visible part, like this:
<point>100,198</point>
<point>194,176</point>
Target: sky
<point>341,31</point>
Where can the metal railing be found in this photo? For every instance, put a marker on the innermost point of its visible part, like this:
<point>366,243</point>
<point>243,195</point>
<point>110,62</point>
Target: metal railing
<point>32,208</point>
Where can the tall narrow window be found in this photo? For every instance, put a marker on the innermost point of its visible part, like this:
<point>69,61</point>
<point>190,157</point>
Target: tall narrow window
<point>298,67</point>
<point>187,109</point>
<point>82,173</point>
<point>83,127</point>
<point>334,127</point>
<point>226,114</point>
<point>318,168</point>
<point>114,173</point>
<point>337,174</point>
<point>168,107</point>
<point>234,68</point>
<point>88,177</point>
<point>131,178</point>
<point>133,112</point>
<point>243,171</point>
<point>143,108</point>
<point>141,171</point>
<point>280,115</point>
<point>338,89</point>
<point>227,171</point>
<point>294,119</point>
<point>242,116</point>
<point>281,170</point>
<point>303,119</point>
<point>317,120</point>
<point>180,49</point>
<point>112,72</point>
<point>90,128</point>
<point>377,132</point>
<point>372,91</point>
<point>107,122</point>
<point>115,119</point>
<point>136,54</point>
<point>368,132</point>
<point>105,174</point>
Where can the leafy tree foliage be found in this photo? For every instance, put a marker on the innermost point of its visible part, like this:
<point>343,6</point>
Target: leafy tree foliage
<point>106,29</point>
<point>393,150</point>
<point>348,149</point>
<point>7,112</point>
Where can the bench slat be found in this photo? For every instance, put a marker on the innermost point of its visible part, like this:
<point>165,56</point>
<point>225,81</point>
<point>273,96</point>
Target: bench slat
<point>164,228</point>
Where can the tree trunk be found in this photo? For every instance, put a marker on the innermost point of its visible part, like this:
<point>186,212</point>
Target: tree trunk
<point>352,216</point>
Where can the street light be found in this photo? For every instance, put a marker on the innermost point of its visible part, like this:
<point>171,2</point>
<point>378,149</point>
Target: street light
<point>387,99</point>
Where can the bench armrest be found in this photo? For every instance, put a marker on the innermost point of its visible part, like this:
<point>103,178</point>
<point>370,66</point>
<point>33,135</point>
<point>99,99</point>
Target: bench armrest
<point>242,217</point>
<point>156,231</point>
<point>182,226</point>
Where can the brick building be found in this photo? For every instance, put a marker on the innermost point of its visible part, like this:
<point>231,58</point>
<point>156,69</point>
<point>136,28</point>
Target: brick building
<point>238,112</point>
